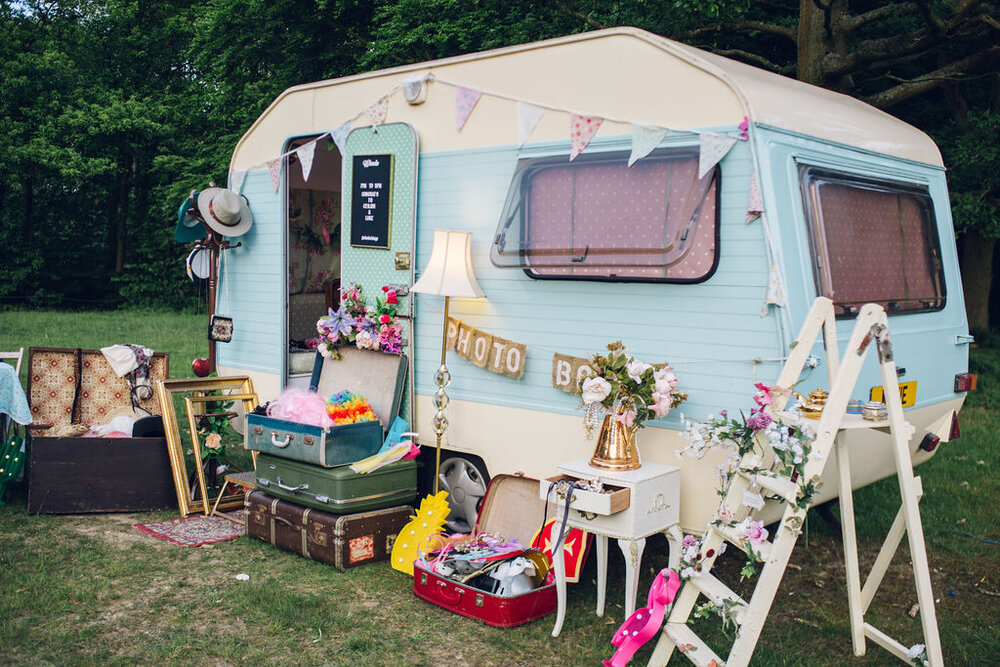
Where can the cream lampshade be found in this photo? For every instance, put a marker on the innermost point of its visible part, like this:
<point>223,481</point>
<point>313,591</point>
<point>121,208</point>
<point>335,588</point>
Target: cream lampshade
<point>448,274</point>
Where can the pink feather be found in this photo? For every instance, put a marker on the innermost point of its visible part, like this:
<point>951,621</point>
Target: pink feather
<point>300,405</point>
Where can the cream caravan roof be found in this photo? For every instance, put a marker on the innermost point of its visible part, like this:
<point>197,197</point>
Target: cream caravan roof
<point>623,75</point>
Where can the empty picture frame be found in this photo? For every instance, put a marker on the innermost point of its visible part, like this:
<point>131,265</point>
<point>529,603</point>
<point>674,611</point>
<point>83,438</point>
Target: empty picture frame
<point>198,390</point>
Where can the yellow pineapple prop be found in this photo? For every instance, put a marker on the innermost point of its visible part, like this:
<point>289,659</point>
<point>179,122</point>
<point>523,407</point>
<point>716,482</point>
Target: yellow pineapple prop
<point>428,520</point>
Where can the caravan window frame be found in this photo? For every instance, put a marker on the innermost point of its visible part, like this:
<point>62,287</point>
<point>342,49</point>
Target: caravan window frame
<point>516,211</point>
<point>848,193</point>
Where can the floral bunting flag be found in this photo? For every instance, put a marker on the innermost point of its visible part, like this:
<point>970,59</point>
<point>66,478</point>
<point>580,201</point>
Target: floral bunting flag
<point>528,116</point>
<point>755,207</point>
<point>274,170</point>
<point>339,135</point>
<point>581,130</point>
<point>775,291</point>
<point>236,179</point>
<point>465,100</point>
<point>378,111</point>
<point>644,140</point>
<point>713,148</point>
<point>305,153</point>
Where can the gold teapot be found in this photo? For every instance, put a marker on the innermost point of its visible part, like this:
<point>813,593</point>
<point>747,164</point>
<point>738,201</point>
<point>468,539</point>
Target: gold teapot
<point>812,407</point>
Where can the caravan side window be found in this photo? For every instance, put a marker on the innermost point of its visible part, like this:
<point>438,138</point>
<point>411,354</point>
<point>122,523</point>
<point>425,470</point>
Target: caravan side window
<point>873,241</point>
<point>596,218</point>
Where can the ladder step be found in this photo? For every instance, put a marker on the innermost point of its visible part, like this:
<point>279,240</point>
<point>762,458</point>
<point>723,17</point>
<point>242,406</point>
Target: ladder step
<point>691,645</point>
<point>730,535</point>
<point>718,592</point>
<point>780,486</point>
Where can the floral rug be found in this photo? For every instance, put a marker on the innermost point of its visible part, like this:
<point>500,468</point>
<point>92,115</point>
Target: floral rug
<point>194,531</point>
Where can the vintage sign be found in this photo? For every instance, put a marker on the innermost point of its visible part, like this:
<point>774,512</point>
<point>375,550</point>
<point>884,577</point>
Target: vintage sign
<point>371,200</point>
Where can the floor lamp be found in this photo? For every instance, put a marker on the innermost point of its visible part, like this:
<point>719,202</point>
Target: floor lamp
<point>448,274</point>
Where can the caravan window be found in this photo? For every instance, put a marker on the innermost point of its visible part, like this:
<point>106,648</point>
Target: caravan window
<point>873,241</point>
<point>596,218</point>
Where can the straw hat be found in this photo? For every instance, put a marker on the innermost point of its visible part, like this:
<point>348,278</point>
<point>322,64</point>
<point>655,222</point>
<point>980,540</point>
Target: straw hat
<point>225,211</point>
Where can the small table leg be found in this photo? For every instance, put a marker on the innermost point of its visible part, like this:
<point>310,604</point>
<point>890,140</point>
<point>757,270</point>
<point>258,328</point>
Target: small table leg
<point>632,550</point>
<point>602,571</point>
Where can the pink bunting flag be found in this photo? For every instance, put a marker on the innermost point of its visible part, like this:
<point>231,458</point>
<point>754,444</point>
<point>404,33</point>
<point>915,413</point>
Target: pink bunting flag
<point>274,170</point>
<point>378,110</point>
<point>464,102</point>
<point>581,130</point>
<point>755,207</point>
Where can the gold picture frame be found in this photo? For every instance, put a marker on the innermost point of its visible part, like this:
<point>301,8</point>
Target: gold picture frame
<point>196,391</point>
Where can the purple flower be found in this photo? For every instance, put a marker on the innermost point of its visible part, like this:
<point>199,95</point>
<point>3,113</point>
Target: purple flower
<point>758,421</point>
<point>339,322</point>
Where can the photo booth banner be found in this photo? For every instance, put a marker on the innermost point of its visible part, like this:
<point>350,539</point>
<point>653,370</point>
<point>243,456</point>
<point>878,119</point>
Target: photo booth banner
<point>568,373</point>
<point>485,350</point>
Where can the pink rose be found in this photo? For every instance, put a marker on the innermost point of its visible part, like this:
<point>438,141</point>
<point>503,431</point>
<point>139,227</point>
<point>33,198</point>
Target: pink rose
<point>384,319</point>
<point>754,531</point>
<point>661,404</point>
<point>390,298</point>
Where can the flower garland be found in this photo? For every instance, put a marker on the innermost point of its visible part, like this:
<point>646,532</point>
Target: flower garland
<point>348,408</point>
<point>354,322</point>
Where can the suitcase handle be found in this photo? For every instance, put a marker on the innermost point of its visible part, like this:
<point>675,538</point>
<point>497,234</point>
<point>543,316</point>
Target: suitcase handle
<point>454,600</point>
<point>300,487</point>
<point>281,519</point>
<point>278,443</point>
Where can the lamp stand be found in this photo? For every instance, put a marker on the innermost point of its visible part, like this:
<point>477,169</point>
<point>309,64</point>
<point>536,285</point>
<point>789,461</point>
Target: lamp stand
<point>442,378</point>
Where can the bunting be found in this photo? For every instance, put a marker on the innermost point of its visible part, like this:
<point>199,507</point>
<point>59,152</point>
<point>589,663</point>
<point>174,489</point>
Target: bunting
<point>305,153</point>
<point>568,373</point>
<point>644,140</point>
<point>528,116</point>
<point>582,130</point>
<point>339,136</point>
<point>465,100</point>
<point>274,170</point>
<point>236,179</point>
<point>775,290</point>
<point>755,207</point>
<point>713,148</point>
<point>378,111</point>
<point>485,350</point>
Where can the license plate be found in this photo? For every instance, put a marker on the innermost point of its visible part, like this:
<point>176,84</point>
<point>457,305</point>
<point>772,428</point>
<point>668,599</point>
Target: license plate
<point>907,393</point>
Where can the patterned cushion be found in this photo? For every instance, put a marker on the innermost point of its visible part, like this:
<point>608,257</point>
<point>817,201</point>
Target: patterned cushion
<point>52,384</point>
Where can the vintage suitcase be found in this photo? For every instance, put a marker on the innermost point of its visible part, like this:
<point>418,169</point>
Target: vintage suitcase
<point>511,508</point>
<point>337,490</point>
<point>377,376</point>
<point>344,541</point>
<point>69,475</point>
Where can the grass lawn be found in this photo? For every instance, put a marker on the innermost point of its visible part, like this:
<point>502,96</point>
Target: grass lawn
<point>92,588</point>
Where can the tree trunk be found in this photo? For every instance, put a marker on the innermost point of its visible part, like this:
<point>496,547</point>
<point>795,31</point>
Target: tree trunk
<point>811,42</point>
<point>977,277</point>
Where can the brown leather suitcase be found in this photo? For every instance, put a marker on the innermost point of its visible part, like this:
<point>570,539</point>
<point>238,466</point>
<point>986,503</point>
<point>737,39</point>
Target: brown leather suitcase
<point>342,540</point>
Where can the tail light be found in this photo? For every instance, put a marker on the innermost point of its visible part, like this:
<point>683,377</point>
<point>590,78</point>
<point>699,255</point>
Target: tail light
<point>965,382</point>
<point>930,442</point>
<point>955,431</point>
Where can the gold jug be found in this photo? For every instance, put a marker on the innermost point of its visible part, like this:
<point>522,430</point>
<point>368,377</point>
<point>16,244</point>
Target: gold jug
<point>616,448</point>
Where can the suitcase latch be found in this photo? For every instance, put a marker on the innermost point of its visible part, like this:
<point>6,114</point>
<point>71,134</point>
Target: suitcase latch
<point>308,440</point>
<point>258,430</point>
<point>479,599</point>
<point>423,578</point>
<point>319,537</point>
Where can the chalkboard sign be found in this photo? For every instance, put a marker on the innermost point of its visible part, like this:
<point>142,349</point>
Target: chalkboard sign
<point>371,200</point>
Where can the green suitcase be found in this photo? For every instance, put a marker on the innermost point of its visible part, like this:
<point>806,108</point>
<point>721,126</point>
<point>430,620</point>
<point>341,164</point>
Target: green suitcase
<point>338,490</point>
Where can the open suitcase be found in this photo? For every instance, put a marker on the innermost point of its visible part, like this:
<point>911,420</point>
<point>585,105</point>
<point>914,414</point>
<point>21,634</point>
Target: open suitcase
<point>377,376</point>
<point>344,541</point>
<point>511,508</point>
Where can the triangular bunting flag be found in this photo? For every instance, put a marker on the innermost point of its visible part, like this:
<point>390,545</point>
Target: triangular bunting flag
<point>339,135</point>
<point>713,148</point>
<point>581,130</point>
<point>644,140</point>
<point>755,207</point>
<point>274,170</point>
<point>528,116</point>
<point>378,110</point>
<point>775,291</point>
<point>464,102</point>
<point>236,179</point>
<point>305,153</point>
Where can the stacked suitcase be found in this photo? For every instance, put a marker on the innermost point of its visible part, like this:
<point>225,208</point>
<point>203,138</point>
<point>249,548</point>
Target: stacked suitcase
<point>308,500</point>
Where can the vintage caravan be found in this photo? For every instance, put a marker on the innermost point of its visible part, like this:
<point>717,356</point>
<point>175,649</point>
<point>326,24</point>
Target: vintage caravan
<point>749,194</point>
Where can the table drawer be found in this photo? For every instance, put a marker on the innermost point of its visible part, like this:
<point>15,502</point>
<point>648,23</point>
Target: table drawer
<point>605,504</point>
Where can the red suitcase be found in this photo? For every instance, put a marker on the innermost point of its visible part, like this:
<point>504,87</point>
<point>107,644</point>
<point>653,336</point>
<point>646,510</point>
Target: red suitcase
<point>512,509</point>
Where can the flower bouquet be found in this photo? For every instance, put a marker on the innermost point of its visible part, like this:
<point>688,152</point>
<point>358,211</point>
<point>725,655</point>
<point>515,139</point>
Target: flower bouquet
<point>624,393</point>
<point>355,323</point>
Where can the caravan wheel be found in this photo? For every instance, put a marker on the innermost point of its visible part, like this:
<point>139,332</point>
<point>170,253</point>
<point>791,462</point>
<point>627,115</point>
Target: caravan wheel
<point>466,486</point>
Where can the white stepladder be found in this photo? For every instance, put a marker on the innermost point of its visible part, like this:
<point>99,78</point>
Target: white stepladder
<point>871,326</point>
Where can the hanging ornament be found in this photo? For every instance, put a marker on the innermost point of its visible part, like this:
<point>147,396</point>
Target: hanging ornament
<point>581,130</point>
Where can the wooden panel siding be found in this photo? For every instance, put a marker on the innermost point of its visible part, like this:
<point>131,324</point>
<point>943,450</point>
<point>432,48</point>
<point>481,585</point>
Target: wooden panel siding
<point>711,331</point>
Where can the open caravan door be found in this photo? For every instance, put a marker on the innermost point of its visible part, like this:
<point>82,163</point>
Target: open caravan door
<point>378,223</point>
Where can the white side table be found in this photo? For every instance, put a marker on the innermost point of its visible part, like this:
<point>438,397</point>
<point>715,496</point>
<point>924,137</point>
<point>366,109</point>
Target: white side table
<point>653,500</point>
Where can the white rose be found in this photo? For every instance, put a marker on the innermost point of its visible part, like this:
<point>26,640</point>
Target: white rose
<point>595,390</point>
<point>636,368</point>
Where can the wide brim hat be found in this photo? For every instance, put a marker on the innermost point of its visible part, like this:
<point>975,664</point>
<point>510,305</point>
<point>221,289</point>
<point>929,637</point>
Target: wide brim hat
<point>189,227</point>
<point>226,212</point>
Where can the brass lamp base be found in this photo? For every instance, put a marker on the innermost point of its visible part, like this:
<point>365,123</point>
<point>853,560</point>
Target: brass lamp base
<point>616,448</point>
